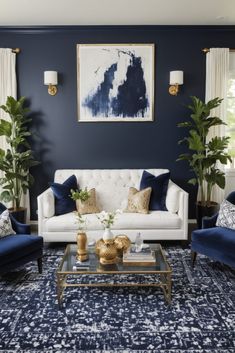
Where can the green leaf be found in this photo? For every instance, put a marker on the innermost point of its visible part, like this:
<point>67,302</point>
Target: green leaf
<point>5,128</point>
<point>185,124</point>
<point>5,196</point>
<point>195,142</point>
<point>2,153</point>
<point>192,181</point>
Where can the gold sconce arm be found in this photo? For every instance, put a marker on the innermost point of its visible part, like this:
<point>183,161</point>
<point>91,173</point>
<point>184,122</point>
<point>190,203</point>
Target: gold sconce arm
<point>174,89</point>
<point>52,90</point>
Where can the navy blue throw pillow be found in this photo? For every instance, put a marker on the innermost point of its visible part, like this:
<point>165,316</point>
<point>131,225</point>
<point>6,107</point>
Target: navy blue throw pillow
<point>159,185</point>
<point>63,201</point>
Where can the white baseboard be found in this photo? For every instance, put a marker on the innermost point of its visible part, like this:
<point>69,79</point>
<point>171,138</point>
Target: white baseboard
<point>192,221</point>
<point>33,223</point>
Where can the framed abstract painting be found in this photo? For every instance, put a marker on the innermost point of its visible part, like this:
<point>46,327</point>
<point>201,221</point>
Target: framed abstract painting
<point>115,82</point>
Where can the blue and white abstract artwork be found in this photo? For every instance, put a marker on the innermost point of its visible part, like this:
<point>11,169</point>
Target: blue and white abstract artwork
<point>115,82</point>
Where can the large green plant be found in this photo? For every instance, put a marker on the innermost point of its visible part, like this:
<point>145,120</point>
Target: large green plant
<point>204,155</point>
<point>18,159</point>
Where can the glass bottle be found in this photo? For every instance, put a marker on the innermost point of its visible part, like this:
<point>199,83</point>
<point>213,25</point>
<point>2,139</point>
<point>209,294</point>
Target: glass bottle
<point>138,242</point>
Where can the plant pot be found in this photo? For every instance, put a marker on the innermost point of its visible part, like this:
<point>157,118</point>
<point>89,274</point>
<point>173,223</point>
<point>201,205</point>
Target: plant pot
<point>205,211</point>
<point>19,214</point>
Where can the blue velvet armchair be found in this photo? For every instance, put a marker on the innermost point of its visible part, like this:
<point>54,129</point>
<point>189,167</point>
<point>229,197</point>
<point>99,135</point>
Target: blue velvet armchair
<point>20,248</point>
<point>218,243</point>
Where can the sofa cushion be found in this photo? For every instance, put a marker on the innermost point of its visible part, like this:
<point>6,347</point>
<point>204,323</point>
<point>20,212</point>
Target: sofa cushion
<point>159,185</point>
<point>62,192</point>
<point>226,216</point>
<point>153,220</point>
<point>5,224</point>
<point>88,206</point>
<point>217,238</point>
<point>13,247</point>
<point>138,201</point>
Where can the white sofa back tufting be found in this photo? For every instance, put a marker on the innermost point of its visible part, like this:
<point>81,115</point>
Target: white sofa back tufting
<point>112,187</point>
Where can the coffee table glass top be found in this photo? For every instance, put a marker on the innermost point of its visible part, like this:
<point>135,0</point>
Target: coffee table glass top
<point>69,260</point>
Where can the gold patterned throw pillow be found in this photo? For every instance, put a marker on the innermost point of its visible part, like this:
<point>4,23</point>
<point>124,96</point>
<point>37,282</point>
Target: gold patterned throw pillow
<point>88,206</point>
<point>138,201</point>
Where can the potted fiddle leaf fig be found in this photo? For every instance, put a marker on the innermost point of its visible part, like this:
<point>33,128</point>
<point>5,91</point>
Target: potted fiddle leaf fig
<point>17,160</point>
<point>204,156</point>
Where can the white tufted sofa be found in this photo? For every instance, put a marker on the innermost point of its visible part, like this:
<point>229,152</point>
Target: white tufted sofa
<point>112,187</point>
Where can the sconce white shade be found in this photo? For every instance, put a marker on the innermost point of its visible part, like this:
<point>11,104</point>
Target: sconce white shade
<point>176,77</point>
<point>50,78</point>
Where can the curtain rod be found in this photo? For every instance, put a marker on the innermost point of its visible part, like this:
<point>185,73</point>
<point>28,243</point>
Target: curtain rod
<point>207,50</point>
<point>16,50</point>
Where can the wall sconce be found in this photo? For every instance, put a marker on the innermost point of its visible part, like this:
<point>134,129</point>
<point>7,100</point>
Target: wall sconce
<point>176,79</point>
<point>51,80</point>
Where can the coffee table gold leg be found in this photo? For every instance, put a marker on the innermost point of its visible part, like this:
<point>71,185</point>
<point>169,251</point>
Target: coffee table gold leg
<point>169,287</point>
<point>166,287</point>
<point>60,288</point>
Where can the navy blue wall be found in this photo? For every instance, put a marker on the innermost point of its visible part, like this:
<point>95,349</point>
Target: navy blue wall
<point>60,142</point>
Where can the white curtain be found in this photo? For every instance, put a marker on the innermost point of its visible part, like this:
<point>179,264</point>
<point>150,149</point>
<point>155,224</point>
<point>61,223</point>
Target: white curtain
<point>8,87</point>
<point>217,71</point>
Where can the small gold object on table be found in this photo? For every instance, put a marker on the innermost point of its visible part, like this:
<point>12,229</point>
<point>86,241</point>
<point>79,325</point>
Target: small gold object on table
<point>81,246</point>
<point>111,251</point>
<point>122,243</point>
<point>107,251</point>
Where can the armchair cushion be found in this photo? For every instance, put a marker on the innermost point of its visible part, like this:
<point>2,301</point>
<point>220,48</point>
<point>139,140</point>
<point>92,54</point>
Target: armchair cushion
<point>63,201</point>
<point>214,241</point>
<point>159,186</point>
<point>5,224</point>
<point>17,246</point>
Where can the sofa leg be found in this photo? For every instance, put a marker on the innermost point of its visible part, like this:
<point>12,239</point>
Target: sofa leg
<point>40,265</point>
<point>193,257</point>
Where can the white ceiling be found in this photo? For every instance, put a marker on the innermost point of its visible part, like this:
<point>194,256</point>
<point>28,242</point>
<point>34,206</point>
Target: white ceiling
<point>117,12</point>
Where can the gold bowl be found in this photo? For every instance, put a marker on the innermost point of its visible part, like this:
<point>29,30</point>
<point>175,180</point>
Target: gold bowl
<point>122,243</point>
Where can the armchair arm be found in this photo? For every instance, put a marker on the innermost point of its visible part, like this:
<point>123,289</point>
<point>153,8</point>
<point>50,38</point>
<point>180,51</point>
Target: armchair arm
<point>209,222</point>
<point>20,228</point>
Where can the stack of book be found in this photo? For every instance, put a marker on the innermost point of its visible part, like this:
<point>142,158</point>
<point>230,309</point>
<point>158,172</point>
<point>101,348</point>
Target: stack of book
<point>81,265</point>
<point>145,257</point>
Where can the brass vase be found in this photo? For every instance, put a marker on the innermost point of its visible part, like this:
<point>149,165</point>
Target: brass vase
<point>81,246</point>
<point>107,252</point>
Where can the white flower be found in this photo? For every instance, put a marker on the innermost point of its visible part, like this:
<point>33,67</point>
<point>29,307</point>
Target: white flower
<point>107,218</point>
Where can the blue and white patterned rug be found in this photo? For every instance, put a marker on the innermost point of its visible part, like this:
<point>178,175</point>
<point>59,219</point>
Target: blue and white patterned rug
<point>201,318</point>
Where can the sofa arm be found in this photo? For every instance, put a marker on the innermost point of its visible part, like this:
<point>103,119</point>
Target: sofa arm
<point>46,207</point>
<point>209,222</point>
<point>183,210</point>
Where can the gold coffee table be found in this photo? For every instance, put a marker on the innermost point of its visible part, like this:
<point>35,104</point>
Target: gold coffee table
<point>65,270</point>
